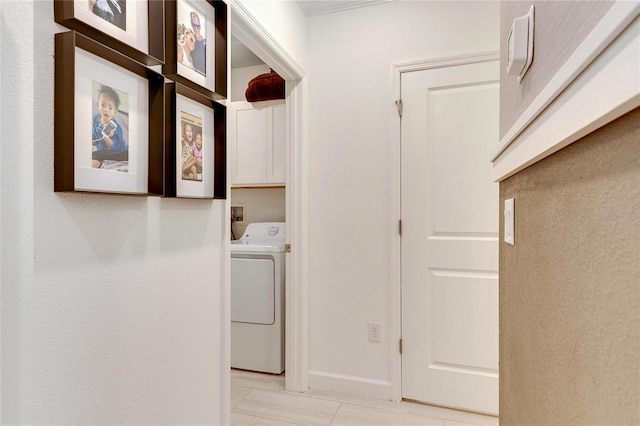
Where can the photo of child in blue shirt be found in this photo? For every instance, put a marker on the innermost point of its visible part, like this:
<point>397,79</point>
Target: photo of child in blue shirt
<point>107,137</point>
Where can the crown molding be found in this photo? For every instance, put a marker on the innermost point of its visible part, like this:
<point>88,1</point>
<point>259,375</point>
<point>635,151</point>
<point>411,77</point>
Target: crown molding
<point>313,8</point>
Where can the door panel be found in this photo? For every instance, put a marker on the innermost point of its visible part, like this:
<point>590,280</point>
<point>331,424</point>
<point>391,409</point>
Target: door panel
<point>248,133</point>
<point>277,155</point>
<point>449,244</point>
<point>458,160</point>
<point>462,319</point>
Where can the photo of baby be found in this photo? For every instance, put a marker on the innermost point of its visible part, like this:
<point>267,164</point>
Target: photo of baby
<point>192,44</point>
<point>191,146</point>
<point>113,11</point>
<point>109,128</point>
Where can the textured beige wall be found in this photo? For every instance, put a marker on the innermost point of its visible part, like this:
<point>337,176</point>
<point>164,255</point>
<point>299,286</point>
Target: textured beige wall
<point>560,26</point>
<point>570,287</point>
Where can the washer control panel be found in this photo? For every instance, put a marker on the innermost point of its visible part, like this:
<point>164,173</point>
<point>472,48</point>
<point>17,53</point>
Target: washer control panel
<point>273,231</point>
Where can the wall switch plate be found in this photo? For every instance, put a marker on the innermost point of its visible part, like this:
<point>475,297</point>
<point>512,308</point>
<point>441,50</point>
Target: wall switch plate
<point>509,221</point>
<point>520,45</point>
<point>375,331</point>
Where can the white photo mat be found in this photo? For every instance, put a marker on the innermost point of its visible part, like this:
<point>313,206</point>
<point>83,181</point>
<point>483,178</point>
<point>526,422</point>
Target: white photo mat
<point>90,68</point>
<point>202,8</point>
<point>137,33</point>
<point>189,188</point>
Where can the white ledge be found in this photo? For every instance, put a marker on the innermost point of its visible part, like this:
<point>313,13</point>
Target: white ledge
<point>599,83</point>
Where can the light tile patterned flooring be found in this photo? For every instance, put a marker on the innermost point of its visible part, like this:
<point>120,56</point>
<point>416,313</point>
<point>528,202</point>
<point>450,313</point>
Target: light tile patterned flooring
<point>260,399</point>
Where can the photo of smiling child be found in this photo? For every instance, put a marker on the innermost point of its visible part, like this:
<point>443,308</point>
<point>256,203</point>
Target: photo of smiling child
<point>191,148</point>
<point>110,130</point>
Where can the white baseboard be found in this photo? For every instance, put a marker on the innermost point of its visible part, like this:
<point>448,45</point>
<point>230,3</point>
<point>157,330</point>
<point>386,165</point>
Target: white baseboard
<point>360,386</point>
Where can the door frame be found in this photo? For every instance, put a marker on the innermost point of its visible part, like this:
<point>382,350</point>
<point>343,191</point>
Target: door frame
<point>253,35</point>
<point>395,264</point>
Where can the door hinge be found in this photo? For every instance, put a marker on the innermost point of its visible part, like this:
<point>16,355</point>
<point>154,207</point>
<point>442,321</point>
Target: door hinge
<point>399,106</point>
<point>287,248</point>
<point>400,346</point>
<point>400,227</point>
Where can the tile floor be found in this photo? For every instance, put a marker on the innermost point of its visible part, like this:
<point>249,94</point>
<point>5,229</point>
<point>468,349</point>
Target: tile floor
<point>260,399</point>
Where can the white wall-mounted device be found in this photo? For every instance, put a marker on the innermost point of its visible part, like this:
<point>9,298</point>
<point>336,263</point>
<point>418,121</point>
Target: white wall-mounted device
<point>520,53</point>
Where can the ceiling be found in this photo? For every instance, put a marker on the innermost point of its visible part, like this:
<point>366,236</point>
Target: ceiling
<point>319,7</point>
<point>241,56</point>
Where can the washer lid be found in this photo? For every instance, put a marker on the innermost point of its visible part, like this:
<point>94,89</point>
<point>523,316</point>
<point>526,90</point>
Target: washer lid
<point>240,246</point>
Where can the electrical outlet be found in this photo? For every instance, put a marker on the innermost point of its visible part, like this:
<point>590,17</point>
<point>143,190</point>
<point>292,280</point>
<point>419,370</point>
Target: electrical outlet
<point>375,331</point>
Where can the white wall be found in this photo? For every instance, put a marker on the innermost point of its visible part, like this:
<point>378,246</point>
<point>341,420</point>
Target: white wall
<point>240,78</point>
<point>285,22</point>
<point>16,254</point>
<point>112,306</point>
<point>349,110</point>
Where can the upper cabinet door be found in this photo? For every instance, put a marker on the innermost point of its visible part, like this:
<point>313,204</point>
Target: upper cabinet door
<point>248,137</point>
<point>277,149</point>
<point>257,143</point>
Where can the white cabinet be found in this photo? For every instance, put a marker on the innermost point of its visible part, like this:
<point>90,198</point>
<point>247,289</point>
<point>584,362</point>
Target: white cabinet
<point>257,143</point>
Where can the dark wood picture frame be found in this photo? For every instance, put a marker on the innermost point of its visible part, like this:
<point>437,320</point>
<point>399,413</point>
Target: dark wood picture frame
<point>172,90</point>
<point>170,67</point>
<point>65,14</point>
<point>66,46</point>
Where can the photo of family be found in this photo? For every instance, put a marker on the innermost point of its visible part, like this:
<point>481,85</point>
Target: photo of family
<point>110,128</point>
<point>191,146</point>
<point>192,43</point>
<point>113,11</point>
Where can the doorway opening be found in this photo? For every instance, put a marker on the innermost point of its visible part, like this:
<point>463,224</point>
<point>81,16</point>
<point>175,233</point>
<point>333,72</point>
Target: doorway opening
<point>247,31</point>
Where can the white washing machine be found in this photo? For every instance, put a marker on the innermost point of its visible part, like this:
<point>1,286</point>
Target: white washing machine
<point>257,298</point>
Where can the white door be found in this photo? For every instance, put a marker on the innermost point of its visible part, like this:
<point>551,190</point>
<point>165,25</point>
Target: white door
<point>449,245</point>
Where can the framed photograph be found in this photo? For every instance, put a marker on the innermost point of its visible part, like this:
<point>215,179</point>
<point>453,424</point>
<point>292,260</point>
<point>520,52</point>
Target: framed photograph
<point>123,25</point>
<point>108,120</point>
<point>196,45</point>
<point>195,144</point>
